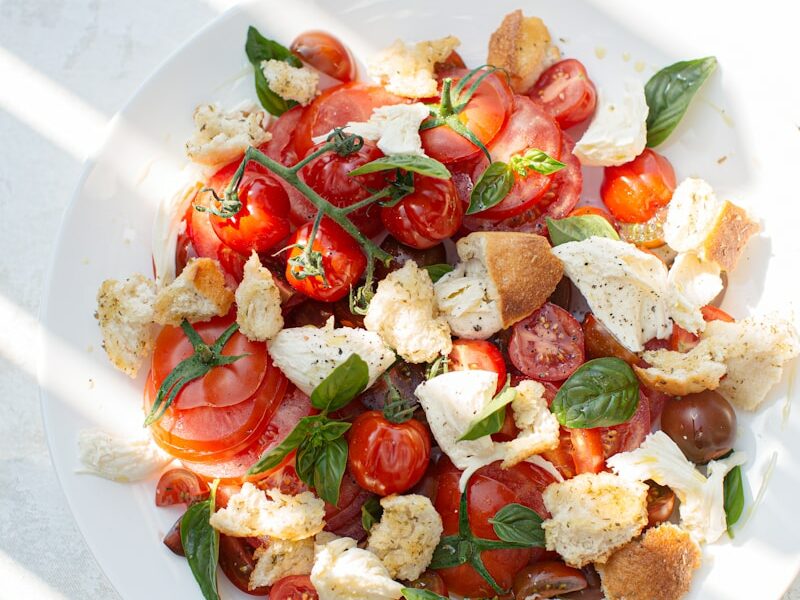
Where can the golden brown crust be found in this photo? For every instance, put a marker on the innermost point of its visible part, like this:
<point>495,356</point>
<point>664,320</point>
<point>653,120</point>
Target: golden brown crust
<point>659,566</point>
<point>729,236</point>
<point>660,381</point>
<point>198,294</point>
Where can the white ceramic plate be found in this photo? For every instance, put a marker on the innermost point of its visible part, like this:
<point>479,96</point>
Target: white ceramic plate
<point>740,135</point>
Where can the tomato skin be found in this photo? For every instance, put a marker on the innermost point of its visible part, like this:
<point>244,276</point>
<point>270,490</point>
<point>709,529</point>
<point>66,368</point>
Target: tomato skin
<point>634,192</point>
<point>565,91</point>
<point>237,561</point>
<point>714,313</point>
<point>600,343</point>
<point>430,214</point>
<point>294,587</point>
<point>587,450</point>
<point>173,538</point>
<point>344,519</point>
<point>342,260</point>
<point>206,244</point>
<point>385,457</point>
<point>325,53</point>
<point>481,355</point>
<point>431,581</point>
<point>703,425</point>
<point>660,503</point>
<point>180,486</point>
<point>547,579</point>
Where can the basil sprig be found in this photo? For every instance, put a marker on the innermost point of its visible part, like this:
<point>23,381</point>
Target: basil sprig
<point>576,229</point>
<point>733,494</point>
<point>669,92</point>
<point>258,49</point>
<point>520,524</point>
<point>415,163</point>
<point>603,392</point>
<point>321,448</point>
<point>371,513</point>
<point>205,358</point>
<point>420,594</point>
<point>490,419</point>
<point>438,271</point>
<point>200,543</point>
<point>496,181</point>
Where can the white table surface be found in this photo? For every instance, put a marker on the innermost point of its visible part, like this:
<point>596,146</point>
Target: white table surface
<point>88,57</point>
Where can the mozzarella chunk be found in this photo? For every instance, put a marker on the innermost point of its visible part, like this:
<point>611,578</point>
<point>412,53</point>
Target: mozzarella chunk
<point>682,373</point>
<point>658,458</point>
<point>307,355</point>
<point>258,302</point>
<point>342,571</point>
<point>592,515</point>
<point>198,294</point>
<point>693,283</point>
<point>465,297</point>
<point>618,131</point>
<point>626,288</point>
<point>691,215</point>
<point>403,313</point>
<point>539,428</point>
<point>290,83</point>
<point>279,559</point>
<point>221,136</point>
<point>252,512</point>
<point>120,459</point>
<point>406,535</point>
<point>407,70</point>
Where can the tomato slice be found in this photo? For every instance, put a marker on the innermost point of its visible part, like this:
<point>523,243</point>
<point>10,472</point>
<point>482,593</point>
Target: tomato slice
<point>565,92</point>
<point>344,519</point>
<point>587,450</point>
<point>180,486</point>
<point>548,345</point>
<point>237,561</point>
<point>629,435</point>
<point>478,355</point>
<point>294,587</point>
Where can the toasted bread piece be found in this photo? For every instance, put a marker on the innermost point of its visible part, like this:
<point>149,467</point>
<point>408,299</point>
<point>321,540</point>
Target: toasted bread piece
<point>198,294</point>
<point>679,373</point>
<point>522,46</point>
<point>258,302</point>
<point>221,136</point>
<point>731,231</point>
<point>538,427</point>
<point>659,566</point>
<point>408,69</point>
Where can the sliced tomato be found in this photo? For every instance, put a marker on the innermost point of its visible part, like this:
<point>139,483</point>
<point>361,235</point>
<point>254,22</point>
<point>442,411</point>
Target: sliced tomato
<point>207,244</point>
<point>294,587</point>
<point>344,519</point>
<point>565,91</point>
<point>478,355</point>
<point>180,486</point>
<point>629,435</point>
<point>587,450</point>
<point>713,313</point>
<point>561,455</point>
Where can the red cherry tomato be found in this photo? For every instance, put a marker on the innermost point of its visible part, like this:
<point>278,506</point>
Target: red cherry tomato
<point>565,91</point>
<point>449,65</point>
<point>634,192</point>
<point>328,175</point>
<point>294,587</point>
<point>180,486</point>
<point>206,244</point>
<point>325,53</point>
<point>484,115</point>
<point>427,216</point>
<point>385,457</point>
<point>587,450</point>
<point>548,345</point>
<point>681,340</point>
<point>237,561</point>
<point>478,355</point>
<point>431,581</point>
<point>342,261</point>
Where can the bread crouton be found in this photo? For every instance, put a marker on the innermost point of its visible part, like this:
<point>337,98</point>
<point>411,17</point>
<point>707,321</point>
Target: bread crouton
<point>125,314</point>
<point>198,294</point>
<point>279,559</point>
<point>290,83</point>
<point>659,566</point>
<point>729,234</point>
<point>221,137</point>
<point>679,373</point>
<point>408,70</point>
<point>539,428</point>
<point>258,302</point>
<point>522,46</point>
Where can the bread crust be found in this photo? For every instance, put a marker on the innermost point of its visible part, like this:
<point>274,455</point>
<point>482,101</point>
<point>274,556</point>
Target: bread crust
<point>732,230</point>
<point>198,294</point>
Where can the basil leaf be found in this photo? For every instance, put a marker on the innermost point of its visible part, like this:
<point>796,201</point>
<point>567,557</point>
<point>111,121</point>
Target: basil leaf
<point>535,160</point>
<point>424,165</point>
<point>306,459</point>
<point>332,430</point>
<point>438,271</point>
<point>451,551</point>
<point>733,497</point>
<point>272,458</point>
<point>669,92</point>
<point>519,524</point>
<point>490,419</point>
<point>258,49</point>
<point>329,469</point>
<point>576,229</point>
<point>601,393</point>
<point>344,383</point>
<point>371,512</point>
<point>492,186</point>
<point>419,594</point>
<point>201,544</point>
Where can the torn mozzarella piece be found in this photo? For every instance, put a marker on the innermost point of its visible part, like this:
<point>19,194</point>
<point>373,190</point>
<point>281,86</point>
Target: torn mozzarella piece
<point>691,215</point>
<point>343,571</point>
<point>464,295</point>
<point>693,283</point>
<point>120,459</point>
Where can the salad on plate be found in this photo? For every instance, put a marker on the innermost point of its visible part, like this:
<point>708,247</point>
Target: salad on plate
<point>392,351</point>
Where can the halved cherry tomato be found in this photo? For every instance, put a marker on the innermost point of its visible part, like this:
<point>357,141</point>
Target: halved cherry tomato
<point>173,538</point>
<point>430,214</point>
<point>547,579</point>
<point>565,91</point>
<point>385,457</point>
<point>222,386</point>
<point>344,519</point>
<point>633,192</point>
<point>294,587</point>
<point>342,261</point>
<point>561,455</point>
<point>237,561</point>
<point>660,503</point>
<point>587,450</point>
<point>548,345</point>
<point>328,175</point>
<point>629,435</point>
<point>681,340</point>
<point>484,115</point>
<point>325,53</point>
<point>206,243</point>
<point>431,581</point>
<point>648,234</point>
<point>600,343</point>
<point>180,486</point>
<point>449,65</point>
<point>478,354</point>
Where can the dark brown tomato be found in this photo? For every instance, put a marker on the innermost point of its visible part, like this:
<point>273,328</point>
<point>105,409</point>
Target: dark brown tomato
<point>404,376</point>
<point>702,425</point>
<point>660,503</point>
<point>431,581</point>
<point>325,53</point>
<point>310,312</point>
<point>237,561</point>
<point>402,254</point>
<point>173,538</point>
<point>600,343</point>
<point>547,579</point>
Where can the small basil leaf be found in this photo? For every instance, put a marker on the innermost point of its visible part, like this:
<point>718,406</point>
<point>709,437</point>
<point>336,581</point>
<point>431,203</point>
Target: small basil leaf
<point>258,49</point>
<point>371,512</point>
<point>438,271</point>
<point>415,163</point>
<point>272,458</point>
<point>306,459</point>
<point>272,103</point>
<point>535,160</point>
<point>490,189</point>
<point>329,469</point>
<point>332,430</point>
<point>601,393</point>
<point>419,594</point>
<point>733,497</point>
<point>201,544</point>
<point>518,524</point>
<point>344,383</point>
<point>576,229</point>
<point>669,92</point>
<point>490,419</point>
<point>449,552</point>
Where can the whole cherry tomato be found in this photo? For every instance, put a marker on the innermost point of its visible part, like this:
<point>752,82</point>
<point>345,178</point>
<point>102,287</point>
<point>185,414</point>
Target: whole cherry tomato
<point>478,355</point>
<point>325,53</point>
<point>660,503</point>
<point>342,261</point>
<point>634,192</point>
<point>385,457</point>
<point>702,425</point>
<point>565,91</point>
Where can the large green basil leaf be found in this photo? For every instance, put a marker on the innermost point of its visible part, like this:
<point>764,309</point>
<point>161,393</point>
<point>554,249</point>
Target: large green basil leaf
<point>344,383</point>
<point>258,49</point>
<point>669,92</point>
<point>576,229</point>
<point>490,419</point>
<point>272,458</point>
<point>415,163</point>
<point>602,393</point>
<point>201,544</point>
<point>519,524</point>
<point>733,497</point>
<point>490,189</point>
<point>329,469</point>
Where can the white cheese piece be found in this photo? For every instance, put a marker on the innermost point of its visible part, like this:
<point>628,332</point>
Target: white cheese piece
<point>539,428</point>
<point>658,458</point>
<point>626,288</point>
<point>691,215</point>
<point>407,70</point>
<point>618,131</point>
<point>342,571</point>
<point>465,297</point>
<point>120,459</point>
<point>290,83</point>
<point>693,283</point>
<point>167,226</point>
<point>307,355</point>
<point>279,559</point>
<point>221,137</point>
